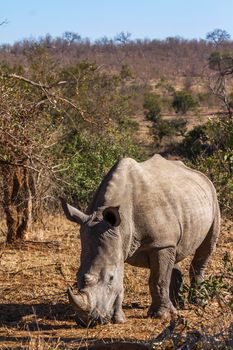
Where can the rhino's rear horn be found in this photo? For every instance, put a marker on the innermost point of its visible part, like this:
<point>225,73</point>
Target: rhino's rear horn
<point>79,302</point>
<point>72,213</point>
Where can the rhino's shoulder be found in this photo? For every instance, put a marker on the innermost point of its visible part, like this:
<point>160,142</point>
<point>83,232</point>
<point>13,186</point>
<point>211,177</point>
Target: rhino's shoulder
<point>126,162</point>
<point>125,169</point>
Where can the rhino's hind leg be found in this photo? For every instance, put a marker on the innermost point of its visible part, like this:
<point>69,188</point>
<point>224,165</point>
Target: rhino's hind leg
<point>202,256</point>
<point>175,287</point>
<point>161,265</point>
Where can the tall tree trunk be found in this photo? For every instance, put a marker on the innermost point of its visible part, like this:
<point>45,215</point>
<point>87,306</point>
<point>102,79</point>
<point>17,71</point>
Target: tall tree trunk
<point>17,201</point>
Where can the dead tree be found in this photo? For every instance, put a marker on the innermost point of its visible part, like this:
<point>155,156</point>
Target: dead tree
<point>17,201</point>
<point>220,80</point>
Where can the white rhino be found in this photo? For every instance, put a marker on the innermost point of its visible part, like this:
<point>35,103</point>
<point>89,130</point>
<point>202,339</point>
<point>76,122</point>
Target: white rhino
<point>151,214</point>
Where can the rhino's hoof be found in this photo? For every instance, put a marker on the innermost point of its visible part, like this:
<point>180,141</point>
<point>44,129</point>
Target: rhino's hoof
<point>161,312</point>
<point>119,318</point>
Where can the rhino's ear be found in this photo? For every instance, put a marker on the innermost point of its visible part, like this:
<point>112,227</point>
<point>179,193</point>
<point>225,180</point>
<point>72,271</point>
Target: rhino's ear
<point>112,216</point>
<point>72,213</point>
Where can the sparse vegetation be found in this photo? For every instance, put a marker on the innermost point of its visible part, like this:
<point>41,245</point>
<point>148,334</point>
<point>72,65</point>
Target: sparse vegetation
<point>68,111</point>
<point>71,127</point>
<point>209,147</point>
<point>216,286</point>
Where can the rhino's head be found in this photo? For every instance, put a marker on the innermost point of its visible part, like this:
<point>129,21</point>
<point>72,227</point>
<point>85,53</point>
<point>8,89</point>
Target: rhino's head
<point>100,275</point>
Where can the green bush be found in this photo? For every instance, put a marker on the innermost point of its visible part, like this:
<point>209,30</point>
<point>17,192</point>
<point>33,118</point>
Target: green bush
<point>161,129</point>
<point>210,149</point>
<point>183,102</point>
<point>152,106</point>
<point>195,142</point>
<point>88,158</point>
<point>219,168</point>
<point>216,285</point>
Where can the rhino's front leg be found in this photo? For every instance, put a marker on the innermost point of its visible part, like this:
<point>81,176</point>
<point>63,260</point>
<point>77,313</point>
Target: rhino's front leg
<point>161,265</point>
<point>118,314</point>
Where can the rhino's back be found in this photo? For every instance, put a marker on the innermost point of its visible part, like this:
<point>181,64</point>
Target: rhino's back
<point>162,202</point>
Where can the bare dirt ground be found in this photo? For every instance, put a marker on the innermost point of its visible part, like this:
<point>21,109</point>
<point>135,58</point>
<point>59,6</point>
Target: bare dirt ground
<point>34,311</point>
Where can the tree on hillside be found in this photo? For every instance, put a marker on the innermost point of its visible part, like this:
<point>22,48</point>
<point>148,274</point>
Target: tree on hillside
<point>220,80</point>
<point>71,37</point>
<point>123,38</point>
<point>218,36</point>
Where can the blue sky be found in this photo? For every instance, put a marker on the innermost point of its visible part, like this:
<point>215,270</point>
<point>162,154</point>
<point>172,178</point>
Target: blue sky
<point>98,18</point>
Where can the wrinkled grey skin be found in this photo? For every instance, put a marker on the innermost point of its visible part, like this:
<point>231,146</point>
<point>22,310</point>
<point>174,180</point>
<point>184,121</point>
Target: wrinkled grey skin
<point>151,214</point>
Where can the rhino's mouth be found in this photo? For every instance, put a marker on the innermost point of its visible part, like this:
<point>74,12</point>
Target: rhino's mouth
<point>91,320</point>
<point>85,315</point>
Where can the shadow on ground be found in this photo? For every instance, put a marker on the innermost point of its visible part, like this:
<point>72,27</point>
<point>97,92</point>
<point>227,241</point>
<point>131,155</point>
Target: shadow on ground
<point>14,313</point>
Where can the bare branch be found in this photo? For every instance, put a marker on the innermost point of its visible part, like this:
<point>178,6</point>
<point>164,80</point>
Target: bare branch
<point>4,22</point>
<point>18,164</point>
<point>37,84</point>
<point>49,94</point>
<point>31,82</point>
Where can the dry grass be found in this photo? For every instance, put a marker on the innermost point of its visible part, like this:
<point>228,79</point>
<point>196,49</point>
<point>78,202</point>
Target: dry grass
<point>34,312</point>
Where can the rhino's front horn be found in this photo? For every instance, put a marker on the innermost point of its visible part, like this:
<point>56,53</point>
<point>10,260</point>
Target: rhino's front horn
<point>79,302</point>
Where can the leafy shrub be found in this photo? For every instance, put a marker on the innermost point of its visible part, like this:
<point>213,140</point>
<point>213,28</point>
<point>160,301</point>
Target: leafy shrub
<point>183,102</point>
<point>219,168</point>
<point>161,129</point>
<point>216,286</point>
<point>195,142</point>
<point>210,148</point>
<point>168,128</point>
<point>152,105</point>
<point>88,158</point>
<point>179,125</point>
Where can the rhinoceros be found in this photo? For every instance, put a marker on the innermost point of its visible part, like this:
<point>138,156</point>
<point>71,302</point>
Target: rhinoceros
<point>151,214</point>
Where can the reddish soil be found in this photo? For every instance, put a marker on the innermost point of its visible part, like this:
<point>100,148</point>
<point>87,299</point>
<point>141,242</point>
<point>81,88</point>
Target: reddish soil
<point>34,311</point>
